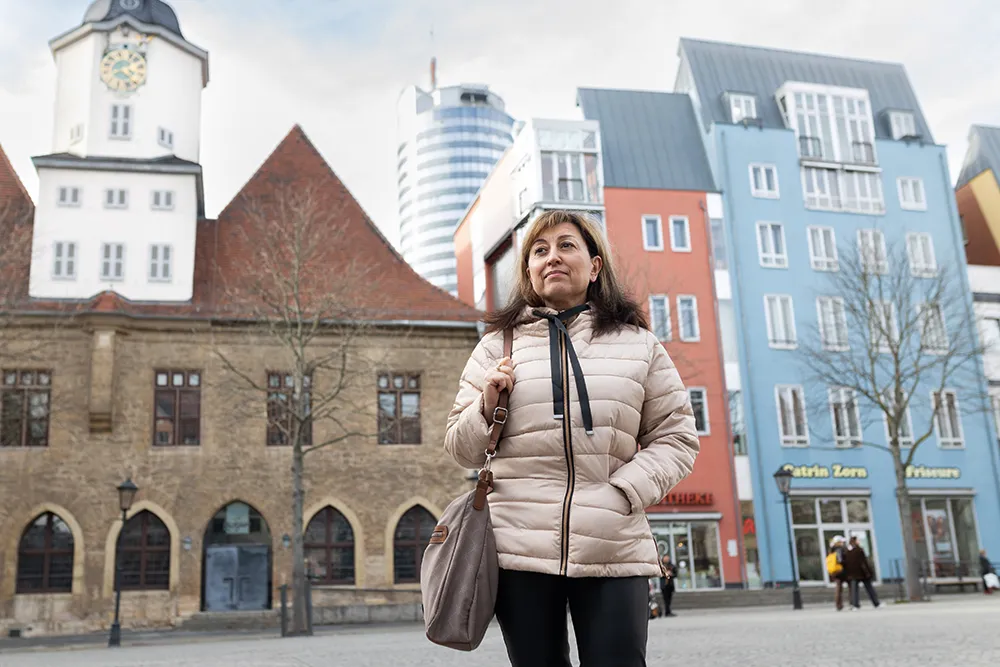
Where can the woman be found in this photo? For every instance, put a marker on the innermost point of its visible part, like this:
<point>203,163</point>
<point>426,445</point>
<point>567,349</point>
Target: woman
<point>599,427</point>
<point>858,570</point>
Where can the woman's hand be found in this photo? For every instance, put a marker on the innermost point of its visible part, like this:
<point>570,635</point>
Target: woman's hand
<point>497,379</point>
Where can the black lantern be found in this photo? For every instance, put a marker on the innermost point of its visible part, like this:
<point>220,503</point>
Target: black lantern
<point>126,495</point>
<point>783,478</point>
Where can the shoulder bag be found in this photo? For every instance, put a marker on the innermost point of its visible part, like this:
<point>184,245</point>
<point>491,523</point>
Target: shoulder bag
<point>458,574</point>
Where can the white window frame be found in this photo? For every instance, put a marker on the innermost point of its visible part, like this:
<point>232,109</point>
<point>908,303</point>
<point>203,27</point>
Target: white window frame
<point>764,192</point>
<point>950,441</point>
<point>841,399</point>
<point>647,243</point>
<point>904,442</point>
<point>892,326</point>
<point>792,439</point>
<point>159,262</point>
<point>118,198</point>
<point>908,188</point>
<point>704,408</point>
<point>69,196</point>
<point>902,124</point>
<point>921,255</point>
<point>874,238</point>
<point>739,106</point>
<point>64,260</point>
<point>122,122</point>
<point>666,313</point>
<point>940,345</point>
<point>163,196</point>
<point>111,261</point>
<point>696,336</point>
<point>824,262</point>
<point>76,134</point>
<point>165,137</point>
<point>790,341</point>
<point>841,339</point>
<point>674,246</point>
<point>770,258</point>
<point>858,126</point>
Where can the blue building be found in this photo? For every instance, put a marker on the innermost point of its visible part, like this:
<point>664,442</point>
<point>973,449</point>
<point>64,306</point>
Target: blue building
<point>815,153</point>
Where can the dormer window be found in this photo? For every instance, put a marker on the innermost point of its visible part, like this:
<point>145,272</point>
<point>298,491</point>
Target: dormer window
<point>742,106</point>
<point>903,124</point>
<point>831,124</point>
<point>76,133</point>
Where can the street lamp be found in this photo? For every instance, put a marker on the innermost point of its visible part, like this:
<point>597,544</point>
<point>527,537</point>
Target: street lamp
<point>784,480</point>
<point>126,494</point>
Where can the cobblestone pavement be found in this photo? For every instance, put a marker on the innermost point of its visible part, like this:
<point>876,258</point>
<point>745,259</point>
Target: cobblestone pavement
<point>955,633</point>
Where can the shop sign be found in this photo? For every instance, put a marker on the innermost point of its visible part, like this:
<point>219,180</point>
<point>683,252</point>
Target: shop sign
<point>839,471</point>
<point>688,498</point>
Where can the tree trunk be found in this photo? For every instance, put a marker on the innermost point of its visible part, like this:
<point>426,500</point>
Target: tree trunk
<point>910,556</point>
<point>299,625</point>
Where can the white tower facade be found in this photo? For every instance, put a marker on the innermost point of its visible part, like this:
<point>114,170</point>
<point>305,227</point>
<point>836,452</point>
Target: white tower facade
<point>121,194</point>
<point>448,141</point>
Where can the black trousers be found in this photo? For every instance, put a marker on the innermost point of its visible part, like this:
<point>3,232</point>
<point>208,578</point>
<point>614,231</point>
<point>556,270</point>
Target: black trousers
<point>668,596</point>
<point>856,599</point>
<point>610,619</point>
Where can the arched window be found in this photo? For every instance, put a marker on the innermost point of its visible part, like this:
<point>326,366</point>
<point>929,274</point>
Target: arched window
<point>145,553</point>
<point>329,544</point>
<point>413,532</point>
<point>45,557</point>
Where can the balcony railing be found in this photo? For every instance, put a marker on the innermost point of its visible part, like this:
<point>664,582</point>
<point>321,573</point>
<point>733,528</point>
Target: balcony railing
<point>810,147</point>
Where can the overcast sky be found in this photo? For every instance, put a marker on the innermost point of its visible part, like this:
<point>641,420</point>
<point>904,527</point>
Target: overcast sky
<point>337,66</point>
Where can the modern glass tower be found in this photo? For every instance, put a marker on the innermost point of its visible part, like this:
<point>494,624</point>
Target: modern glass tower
<point>448,141</point>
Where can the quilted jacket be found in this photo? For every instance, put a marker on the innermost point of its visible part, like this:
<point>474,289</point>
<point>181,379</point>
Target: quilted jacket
<point>572,478</point>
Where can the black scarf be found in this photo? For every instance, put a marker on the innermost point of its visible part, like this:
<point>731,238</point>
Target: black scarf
<point>557,325</point>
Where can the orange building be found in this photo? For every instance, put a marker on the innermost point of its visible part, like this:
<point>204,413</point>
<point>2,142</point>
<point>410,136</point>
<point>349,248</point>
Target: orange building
<point>637,165</point>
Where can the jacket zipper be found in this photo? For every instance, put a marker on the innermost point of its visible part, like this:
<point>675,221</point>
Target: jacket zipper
<point>570,466</point>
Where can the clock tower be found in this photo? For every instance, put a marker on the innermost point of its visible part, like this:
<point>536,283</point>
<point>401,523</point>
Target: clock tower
<point>121,193</point>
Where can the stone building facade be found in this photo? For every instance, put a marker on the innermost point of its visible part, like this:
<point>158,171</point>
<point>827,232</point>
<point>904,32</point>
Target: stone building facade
<point>98,390</point>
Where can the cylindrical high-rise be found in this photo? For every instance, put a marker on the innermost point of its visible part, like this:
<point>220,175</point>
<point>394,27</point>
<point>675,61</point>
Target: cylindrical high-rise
<point>449,140</point>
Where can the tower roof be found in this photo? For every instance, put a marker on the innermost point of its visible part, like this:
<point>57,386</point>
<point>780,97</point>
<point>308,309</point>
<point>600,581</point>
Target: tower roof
<point>153,12</point>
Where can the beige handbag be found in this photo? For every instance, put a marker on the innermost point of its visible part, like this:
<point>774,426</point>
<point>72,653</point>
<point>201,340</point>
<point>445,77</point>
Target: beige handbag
<point>458,574</point>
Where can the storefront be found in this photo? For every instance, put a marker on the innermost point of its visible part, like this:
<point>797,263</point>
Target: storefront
<point>816,520</point>
<point>692,540</point>
<point>947,534</point>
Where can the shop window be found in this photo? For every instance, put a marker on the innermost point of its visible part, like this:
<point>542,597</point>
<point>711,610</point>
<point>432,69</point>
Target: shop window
<point>817,520</point>
<point>694,548</point>
<point>947,541</point>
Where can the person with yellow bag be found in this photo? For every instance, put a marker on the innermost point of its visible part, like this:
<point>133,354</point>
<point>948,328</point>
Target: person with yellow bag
<point>835,568</point>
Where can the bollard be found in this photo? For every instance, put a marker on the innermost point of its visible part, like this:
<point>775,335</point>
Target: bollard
<point>284,610</point>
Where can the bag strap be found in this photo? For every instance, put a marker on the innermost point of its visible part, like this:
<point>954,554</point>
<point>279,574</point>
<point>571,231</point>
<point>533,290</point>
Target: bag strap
<point>485,483</point>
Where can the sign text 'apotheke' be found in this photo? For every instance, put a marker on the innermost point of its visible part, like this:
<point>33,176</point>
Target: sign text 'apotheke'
<point>689,498</point>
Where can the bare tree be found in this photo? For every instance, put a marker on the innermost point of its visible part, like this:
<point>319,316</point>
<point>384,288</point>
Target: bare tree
<point>296,303</point>
<point>893,326</point>
<point>16,217</point>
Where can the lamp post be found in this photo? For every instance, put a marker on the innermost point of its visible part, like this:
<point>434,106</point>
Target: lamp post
<point>784,480</point>
<point>126,494</point>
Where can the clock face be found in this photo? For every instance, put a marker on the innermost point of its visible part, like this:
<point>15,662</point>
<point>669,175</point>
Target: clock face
<point>123,70</point>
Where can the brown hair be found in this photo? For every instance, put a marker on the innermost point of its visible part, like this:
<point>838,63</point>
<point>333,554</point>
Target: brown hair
<point>611,306</point>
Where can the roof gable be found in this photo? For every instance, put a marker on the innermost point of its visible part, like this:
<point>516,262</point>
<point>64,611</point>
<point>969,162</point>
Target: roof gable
<point>983,153</point>
<point>649,140</point>
<point>11,187</point>
<point>344,237</point>
<point>718,68</point>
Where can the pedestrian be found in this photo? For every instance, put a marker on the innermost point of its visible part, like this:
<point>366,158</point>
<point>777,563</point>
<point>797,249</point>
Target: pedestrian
<point>599,426</point>
<point>986,569</point>
<point>667,584</point>
<point>858,570</point>
<point>835,568</point>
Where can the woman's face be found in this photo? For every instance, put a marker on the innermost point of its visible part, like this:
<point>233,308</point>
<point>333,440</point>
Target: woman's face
<point>560,267</point>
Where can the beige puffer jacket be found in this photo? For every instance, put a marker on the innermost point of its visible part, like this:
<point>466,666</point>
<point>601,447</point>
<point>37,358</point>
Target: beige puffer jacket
<point>565,501</point>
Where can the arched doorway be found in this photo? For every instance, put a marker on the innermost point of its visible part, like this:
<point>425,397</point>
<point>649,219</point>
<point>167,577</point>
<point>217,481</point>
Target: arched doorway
<point>236,561</point>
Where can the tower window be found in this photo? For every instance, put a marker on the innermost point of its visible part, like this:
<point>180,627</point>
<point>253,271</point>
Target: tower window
<point>165,138</point>
<point>112,261</point>
<point>64,260</point>
<point>160,263</point>
<point>69,196</point>
<point>76,133</point>
<point>116,198</point>
<point>163,200</point>
<point>121,121</point>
